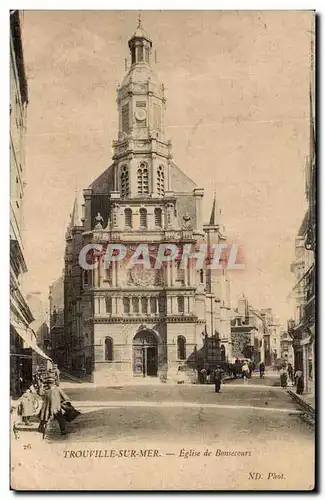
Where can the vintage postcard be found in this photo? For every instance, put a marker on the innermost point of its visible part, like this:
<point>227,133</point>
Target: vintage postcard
<point>162,244</point>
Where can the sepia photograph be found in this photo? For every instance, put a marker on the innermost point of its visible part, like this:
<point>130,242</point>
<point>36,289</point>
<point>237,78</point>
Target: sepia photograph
<point>162,250</point>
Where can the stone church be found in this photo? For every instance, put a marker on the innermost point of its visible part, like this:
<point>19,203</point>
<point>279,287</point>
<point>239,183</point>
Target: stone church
<point>122,323</point>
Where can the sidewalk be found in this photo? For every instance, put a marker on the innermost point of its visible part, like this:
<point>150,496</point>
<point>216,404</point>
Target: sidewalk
<point>306,401</point>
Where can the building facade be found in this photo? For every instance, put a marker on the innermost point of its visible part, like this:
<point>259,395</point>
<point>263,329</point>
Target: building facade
<point>272,337</point>
<point>21,336</point>
<point>255,334</point>
<point>302,327</point>
<point>125,321</point>
<point>287,353</point>
<point>56,330</point>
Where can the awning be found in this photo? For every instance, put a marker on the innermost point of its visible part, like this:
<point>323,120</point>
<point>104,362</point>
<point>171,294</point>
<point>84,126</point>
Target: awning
<point>28,336</point>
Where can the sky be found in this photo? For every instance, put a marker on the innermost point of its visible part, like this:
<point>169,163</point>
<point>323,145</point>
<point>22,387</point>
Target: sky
<point>237,114</point>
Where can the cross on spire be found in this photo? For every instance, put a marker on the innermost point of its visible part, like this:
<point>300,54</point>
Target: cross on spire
<point>139,20</point>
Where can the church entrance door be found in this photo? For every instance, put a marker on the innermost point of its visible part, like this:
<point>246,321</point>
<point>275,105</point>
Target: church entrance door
<point>145,354</point>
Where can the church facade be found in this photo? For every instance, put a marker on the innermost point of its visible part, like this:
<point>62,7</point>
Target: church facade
<point>125,321</point>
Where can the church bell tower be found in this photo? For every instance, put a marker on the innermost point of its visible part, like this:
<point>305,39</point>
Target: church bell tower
<point>141,154</point>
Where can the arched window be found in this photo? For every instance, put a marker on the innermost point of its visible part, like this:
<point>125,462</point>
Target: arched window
<point>86,278</point>
<point>124,176</point>
<point>161,181</point>
<point>158,217</point>
<point>108,304</point>
<point>126,305</point>
<point>108,349</point>
<point>181,347</point>
<point>180,304</point>
<point>144,305</point>
<point>128,218</point>
<point>142,176</point>
<point>222,354</point>
<point>143,218</point>
<point>135,304</point>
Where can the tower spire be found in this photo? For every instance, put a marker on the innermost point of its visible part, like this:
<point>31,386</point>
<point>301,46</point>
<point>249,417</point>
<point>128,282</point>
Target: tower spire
<point>215,212</point>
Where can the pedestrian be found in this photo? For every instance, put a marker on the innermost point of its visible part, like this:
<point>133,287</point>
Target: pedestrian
<point>203,375</point>
<point>262,369</point>
<point>250,368</point>
<point>51,408</point>
<point>218,374</point>
<point>27,406</point>
<point>56,373</point>
<point>180,375</point>
<point>245,372</point>
<point>290,372</point>
<point>283,377</point>
<point>299,382</point>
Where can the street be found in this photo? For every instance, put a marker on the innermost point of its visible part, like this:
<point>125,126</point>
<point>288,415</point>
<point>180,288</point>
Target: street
<point>246,437</point>
<point>254,412</point>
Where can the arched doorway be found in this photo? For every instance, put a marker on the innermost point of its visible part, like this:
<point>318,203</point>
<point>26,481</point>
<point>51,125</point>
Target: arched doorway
<point>145,354</point>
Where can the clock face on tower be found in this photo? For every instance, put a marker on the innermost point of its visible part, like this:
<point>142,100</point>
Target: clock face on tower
<point>140,115</point>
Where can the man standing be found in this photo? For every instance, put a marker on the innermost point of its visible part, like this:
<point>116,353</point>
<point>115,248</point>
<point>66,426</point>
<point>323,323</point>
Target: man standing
<point>218,373</point>
<point>51,408</point>
<point>262,369</point>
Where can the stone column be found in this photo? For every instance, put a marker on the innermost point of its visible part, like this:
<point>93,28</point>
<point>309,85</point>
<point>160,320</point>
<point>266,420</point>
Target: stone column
<point>119,302</point>
<point>102,305</point>
<point>96,273</point>
<point>87,196</point>
<point>198,195</point>
<point>174,305</point>
<point>186,276</point>
<point>114,273</point>
<point>96,305</point>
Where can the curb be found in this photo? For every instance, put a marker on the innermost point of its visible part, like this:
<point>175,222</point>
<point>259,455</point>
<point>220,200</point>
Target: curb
<point>309,412</point>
